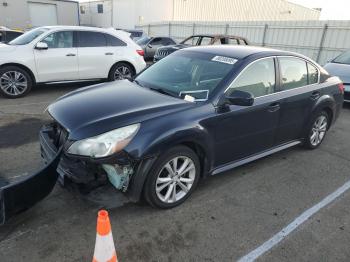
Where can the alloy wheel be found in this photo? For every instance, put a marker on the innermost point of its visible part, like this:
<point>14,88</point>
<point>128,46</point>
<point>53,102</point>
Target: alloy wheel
<point>175,179</point>
<point>122,72</point>
<point>13,83</point>
<point>318,131</point>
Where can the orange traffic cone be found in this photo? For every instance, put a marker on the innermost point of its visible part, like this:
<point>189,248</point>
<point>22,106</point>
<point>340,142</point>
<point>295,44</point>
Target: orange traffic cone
<point>104,247</point>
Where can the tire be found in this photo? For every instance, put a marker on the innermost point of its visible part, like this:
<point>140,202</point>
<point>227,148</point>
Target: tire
<point>121,71</point>
<point>317,130</point>
<point>14,82</point>
<point>159,174</point>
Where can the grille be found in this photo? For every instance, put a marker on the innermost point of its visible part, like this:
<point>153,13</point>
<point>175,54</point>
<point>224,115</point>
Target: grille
<point>163,53</point>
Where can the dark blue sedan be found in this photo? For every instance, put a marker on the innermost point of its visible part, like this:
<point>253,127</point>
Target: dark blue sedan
<point>198,112</point>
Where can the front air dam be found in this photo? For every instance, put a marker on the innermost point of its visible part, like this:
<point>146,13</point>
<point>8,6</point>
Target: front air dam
<point>23,194</point>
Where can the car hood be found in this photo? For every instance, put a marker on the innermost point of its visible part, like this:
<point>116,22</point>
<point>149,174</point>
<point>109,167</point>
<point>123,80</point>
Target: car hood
<point>173,47</point>
<point>7,48</point>
<point>340,70</point>
<point>100,108</point>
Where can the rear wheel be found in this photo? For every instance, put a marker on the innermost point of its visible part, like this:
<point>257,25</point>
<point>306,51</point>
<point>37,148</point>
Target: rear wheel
<point>121,71</point>
<point>317,130</point>
<point>173,178</point>
<point>14,82</point>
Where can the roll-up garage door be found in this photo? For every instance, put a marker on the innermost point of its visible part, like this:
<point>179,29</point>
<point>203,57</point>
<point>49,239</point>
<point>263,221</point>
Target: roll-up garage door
<point>42,14</point>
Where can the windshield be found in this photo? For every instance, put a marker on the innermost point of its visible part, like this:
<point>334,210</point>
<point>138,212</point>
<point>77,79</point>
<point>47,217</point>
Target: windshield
<point>343,58</point>
<point>187,73</point>
<point>28,37</point>
<point>143,40</point>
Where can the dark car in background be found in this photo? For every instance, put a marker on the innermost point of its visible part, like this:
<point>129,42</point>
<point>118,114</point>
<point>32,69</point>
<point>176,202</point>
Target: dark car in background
<point>340,66</point>
<point>135,34</point>
<point>200,40</point>
<point>200,111</point>
<point>7,35</point>
<point>151,44</point>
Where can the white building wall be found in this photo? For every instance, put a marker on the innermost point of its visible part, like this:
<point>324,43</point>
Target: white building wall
<point>89,13</point>
<point>16,13</point>
<point>241,10</point>
<point>129,13</point>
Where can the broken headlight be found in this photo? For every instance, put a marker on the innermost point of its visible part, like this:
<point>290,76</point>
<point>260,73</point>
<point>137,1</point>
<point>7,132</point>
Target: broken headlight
<point>105,144</point>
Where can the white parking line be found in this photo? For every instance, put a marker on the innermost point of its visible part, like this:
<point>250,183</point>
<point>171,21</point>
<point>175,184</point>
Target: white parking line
<point>273,241</point>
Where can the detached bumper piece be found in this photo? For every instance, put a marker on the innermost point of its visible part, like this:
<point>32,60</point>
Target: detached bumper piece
<point>23,194</point>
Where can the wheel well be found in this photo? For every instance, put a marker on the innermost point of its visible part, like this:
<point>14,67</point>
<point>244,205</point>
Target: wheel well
<point>329,113</point>
<point>23,68</point>
<point>199,152</point>
<point>125,62</point>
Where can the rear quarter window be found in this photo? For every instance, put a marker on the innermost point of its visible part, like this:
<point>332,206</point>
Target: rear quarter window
<point>312,74</point>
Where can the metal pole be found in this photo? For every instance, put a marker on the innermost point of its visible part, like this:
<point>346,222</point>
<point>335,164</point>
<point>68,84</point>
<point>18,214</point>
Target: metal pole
<point>226,29</point>
<point>264,34</point>
<point>149,29</point>
<point>323,37</point>
<point>169,29</point>
<point>193,29</point>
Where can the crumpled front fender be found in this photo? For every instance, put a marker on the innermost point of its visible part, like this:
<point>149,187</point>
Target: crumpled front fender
<point>23,194</point>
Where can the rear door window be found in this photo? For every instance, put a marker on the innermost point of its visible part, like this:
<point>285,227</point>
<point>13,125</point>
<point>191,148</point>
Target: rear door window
<point>192,41</point>
<point>293,72</point>
<point>206,40</point>
<point>91,39</point>
<point>232,41</point>
<point>257,78</point>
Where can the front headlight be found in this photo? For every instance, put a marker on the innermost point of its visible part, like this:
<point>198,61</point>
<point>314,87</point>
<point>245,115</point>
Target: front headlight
<point>105,144</point>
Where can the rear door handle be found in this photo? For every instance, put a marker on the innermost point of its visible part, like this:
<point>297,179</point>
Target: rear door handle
<point>274,107</point>
<point>108,53</point>
<point>70,54</point>
<point>315,95</point>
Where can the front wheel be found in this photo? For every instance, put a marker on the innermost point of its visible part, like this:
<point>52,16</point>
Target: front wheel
<point>173,178</point>
<point>14,82</point>
<point>317,130</point>
<point>121,71</point>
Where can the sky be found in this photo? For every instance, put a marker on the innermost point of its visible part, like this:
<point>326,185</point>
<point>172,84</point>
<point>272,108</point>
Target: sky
<point>331,9</point>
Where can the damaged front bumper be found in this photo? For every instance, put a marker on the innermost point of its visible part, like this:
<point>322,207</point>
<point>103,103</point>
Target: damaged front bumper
<point>23,194</point>
<point>88,174</point>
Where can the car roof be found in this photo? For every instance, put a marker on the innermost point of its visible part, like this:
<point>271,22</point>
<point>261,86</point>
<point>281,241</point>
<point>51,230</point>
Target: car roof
<point>219,36</point>
<point>240,51</point>
<point>74,27</point>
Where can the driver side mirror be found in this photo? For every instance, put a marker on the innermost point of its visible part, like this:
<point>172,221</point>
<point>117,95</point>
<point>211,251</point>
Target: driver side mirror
<point>150,46</point>
<point>41,46</point>
<point>239,98</point>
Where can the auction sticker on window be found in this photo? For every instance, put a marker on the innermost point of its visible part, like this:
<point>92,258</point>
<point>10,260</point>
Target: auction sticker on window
<point>224,59</point>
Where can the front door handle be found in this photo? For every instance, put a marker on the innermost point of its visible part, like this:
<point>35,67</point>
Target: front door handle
<point>315,95</point>
<point>70,54</point>
<point>108,53</point>
<point>274,107</point>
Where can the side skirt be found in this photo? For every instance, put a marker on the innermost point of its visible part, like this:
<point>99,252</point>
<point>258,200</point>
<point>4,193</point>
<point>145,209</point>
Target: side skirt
<point>253,158</point>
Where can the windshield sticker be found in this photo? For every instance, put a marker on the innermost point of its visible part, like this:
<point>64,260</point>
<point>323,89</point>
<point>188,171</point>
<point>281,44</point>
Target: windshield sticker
<point>224,59</point>
<point>198,95</point>
<point>189,98</point>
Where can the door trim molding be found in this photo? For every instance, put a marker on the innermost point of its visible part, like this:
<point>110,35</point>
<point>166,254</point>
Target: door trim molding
<point>249,159</point>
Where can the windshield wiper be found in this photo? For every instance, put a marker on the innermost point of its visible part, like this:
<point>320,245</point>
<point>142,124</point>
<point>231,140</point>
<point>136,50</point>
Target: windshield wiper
<point>162,91</point>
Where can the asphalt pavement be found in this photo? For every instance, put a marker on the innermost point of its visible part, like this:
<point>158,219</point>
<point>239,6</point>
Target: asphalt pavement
<point>228,216</point>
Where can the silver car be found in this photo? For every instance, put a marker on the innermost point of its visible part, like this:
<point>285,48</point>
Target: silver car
<point>340,66</point>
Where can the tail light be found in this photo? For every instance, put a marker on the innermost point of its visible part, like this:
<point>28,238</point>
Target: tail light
<point>341,88</point>
<point>140,52</point>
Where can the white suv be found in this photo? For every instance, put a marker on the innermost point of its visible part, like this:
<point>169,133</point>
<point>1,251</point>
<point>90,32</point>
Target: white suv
<point>66,54</point>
